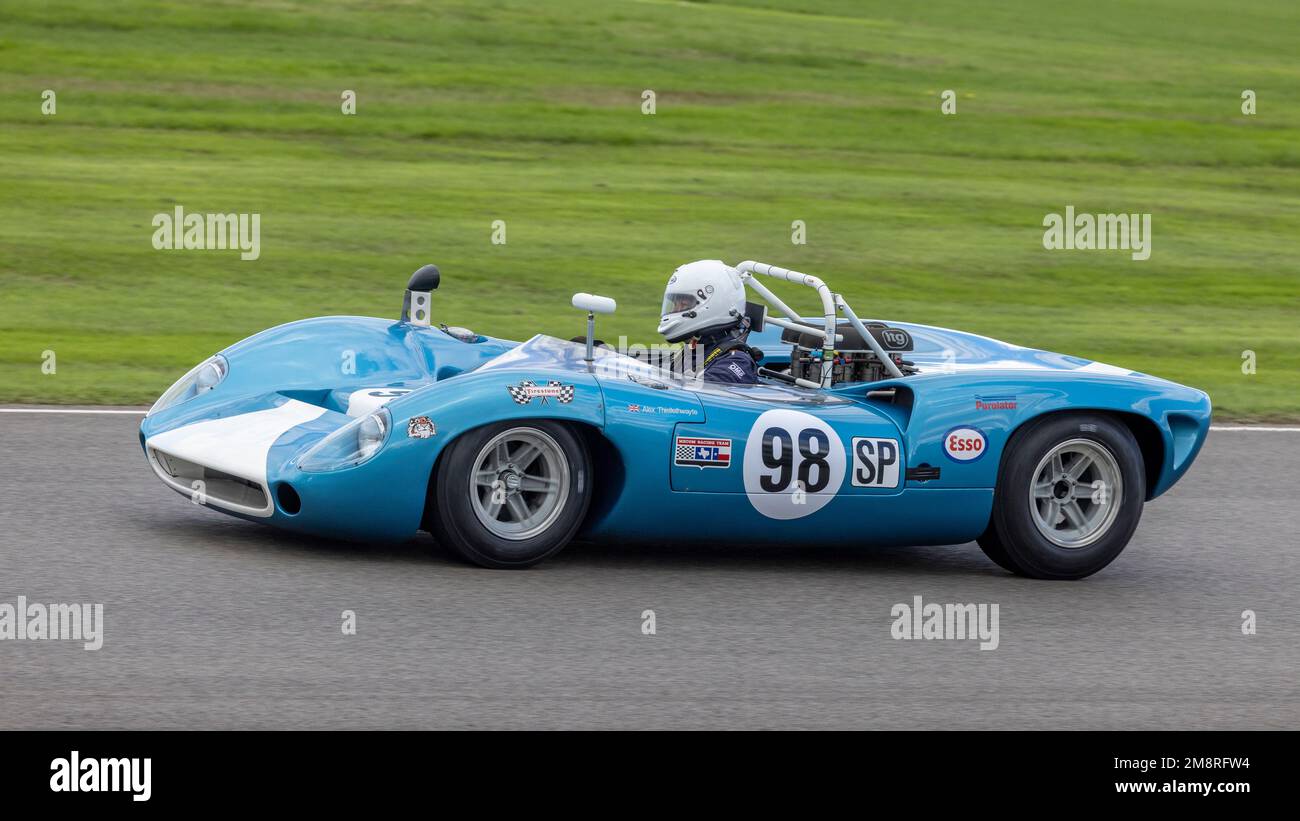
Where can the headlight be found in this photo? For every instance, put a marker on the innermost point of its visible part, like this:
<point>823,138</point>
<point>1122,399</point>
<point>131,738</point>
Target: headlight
<point>204,377</point>
<point>351,444</point>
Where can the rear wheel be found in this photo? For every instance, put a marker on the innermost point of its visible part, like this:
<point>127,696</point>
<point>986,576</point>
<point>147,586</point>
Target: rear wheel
<point>511,494</point>
<point>1068,498</point>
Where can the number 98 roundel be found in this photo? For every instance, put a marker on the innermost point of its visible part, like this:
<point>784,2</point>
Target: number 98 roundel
<point>794,464</point>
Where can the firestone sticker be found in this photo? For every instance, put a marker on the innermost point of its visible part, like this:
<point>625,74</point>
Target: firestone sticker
<point>526,391</point>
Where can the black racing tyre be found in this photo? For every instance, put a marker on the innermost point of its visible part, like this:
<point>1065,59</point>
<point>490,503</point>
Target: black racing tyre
<point>1069,496</point>
<point>511,494</point>
<point>994,549</point>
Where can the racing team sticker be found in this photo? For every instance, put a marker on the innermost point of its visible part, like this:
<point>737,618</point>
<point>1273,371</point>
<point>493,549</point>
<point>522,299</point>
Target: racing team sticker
<point>964,444</point>
<point>702,452</point>
<point>794,464</point>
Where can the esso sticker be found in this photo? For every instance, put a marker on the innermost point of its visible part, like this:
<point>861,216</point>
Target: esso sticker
<point>964,444</point>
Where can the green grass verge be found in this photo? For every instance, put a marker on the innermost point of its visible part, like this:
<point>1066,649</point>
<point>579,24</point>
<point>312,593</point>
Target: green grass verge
<point>470,112</point>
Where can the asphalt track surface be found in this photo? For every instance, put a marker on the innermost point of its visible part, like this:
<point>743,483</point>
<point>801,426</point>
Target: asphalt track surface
<point>212,622</point>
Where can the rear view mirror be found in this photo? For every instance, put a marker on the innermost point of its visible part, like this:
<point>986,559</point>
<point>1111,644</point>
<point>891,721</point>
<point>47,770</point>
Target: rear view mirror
<point>419,289</point>
<point>594,304</point>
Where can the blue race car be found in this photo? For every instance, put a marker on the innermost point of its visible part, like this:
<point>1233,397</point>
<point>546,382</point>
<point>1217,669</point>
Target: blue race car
<point>859,432</point>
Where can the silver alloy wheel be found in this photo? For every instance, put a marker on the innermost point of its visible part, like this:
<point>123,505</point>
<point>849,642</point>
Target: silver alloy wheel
<point>1075,493</point>
<point>520,483</point>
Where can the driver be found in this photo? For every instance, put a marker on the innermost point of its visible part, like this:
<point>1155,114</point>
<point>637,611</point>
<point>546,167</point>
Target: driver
<point>704,306</point>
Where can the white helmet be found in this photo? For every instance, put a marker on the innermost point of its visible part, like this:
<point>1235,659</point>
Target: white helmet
<point>703,295</point>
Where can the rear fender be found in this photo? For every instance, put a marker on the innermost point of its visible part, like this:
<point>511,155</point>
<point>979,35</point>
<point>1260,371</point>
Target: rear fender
<point>999,403</point>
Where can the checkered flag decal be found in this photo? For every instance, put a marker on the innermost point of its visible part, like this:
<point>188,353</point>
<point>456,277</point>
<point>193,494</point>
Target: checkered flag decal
<point>685,452</point>
<point>520,392</point>
<point>527,390</point>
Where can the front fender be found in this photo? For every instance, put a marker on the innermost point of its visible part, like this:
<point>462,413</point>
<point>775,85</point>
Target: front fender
<point>384,498</point>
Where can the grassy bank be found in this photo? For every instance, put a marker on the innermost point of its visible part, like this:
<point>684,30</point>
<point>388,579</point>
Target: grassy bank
<point>531,113</point>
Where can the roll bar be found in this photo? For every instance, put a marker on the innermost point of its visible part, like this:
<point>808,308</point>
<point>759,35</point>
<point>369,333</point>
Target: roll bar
<point>832,305</point>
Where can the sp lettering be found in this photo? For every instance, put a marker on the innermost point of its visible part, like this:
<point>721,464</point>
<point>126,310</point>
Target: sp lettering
<point>875,462</point>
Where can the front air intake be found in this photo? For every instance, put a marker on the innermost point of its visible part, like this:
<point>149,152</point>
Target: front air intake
<point>206,485</point>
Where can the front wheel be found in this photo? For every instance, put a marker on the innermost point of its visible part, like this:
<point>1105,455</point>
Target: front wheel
<point>1068,498</point>
<point>511,494</point>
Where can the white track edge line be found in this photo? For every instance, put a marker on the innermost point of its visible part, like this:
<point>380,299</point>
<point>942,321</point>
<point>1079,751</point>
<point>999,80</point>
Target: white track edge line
<point>1259,428</point>
<point>70,410</point>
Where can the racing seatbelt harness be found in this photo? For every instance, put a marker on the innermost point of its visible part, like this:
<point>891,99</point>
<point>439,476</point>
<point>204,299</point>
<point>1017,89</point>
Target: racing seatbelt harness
<point>719,350</point>
<point>727,347</point>
<point>731,340</point>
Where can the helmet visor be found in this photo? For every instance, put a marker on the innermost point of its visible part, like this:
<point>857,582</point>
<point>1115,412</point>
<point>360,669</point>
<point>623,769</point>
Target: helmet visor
<point>676,303</point>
